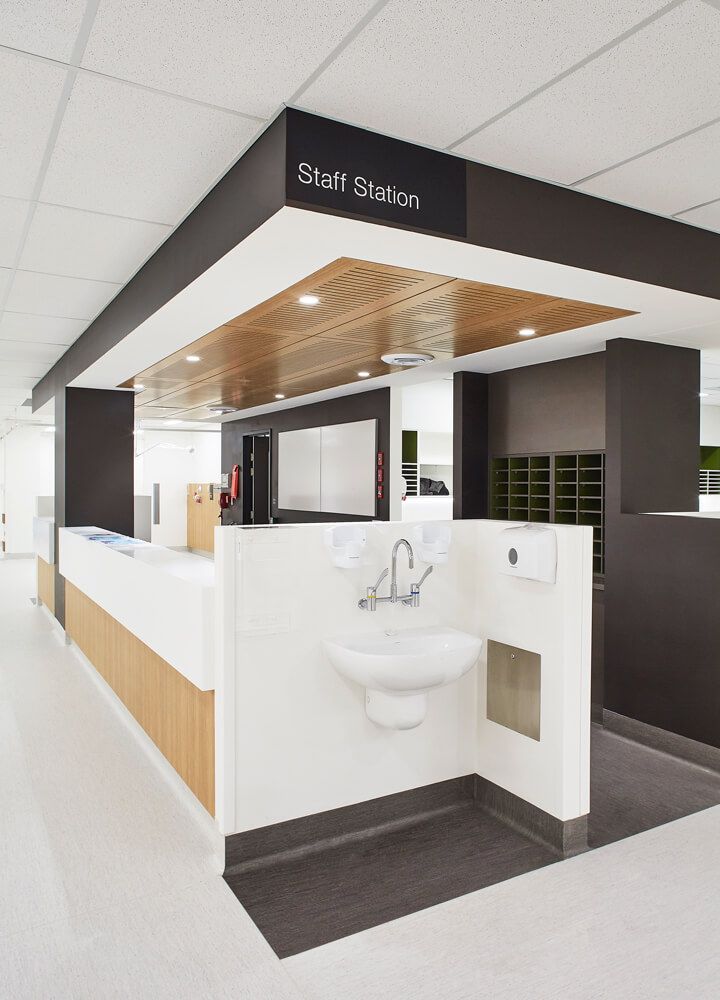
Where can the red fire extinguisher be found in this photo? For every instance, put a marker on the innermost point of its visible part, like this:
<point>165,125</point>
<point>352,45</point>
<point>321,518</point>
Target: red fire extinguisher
<point>235,483</point>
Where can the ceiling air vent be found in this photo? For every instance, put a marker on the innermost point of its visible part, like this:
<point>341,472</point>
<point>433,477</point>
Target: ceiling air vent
<point>407,360</point>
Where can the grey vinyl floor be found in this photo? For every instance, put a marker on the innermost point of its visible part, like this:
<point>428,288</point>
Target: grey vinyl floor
<point>317,899</point>
<point>321,897</point>
<point>634,788</point>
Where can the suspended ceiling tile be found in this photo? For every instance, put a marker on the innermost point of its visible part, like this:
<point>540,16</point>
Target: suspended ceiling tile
<point>431,72</point>
<point>11,367</point>
<point>708,216</point>
<point>12,221</point>
<point>126,151</point>
<point>678,176</point>
<point>40,329</point>
<point>249,56</point>
<point>17,382</point>
<point>12,397</point>
<point>46,27</point>
<point>87,245</point>
<point>29,95</point>
<point>5,276</point>
<point>49,295</point>
<point>657,84</point>
<point>26,351</point>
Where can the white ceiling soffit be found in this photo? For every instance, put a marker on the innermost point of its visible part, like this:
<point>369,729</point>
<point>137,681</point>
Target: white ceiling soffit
<point>117,116</point>
<point>294,243</point>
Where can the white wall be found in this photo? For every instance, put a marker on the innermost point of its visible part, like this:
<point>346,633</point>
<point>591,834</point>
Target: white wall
<point>428,409</point>
<point>27,468</point>
<point>174,459</point>
<point>293,736</point>
<point>428,406</point>
<point>710,425</point>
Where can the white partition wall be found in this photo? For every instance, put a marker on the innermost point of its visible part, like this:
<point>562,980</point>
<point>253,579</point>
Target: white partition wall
<point>27,466</point>
<point>293,738</point>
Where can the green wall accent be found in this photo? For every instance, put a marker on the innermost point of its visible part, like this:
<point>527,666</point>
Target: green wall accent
<point>409,446</point>
<point>710,457</point>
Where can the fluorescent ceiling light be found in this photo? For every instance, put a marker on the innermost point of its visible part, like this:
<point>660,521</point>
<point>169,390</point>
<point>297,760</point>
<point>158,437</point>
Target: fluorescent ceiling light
<point>308,300</point>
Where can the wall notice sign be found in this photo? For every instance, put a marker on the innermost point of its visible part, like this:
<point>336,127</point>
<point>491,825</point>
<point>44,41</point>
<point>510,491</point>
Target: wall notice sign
<point>344,168</point>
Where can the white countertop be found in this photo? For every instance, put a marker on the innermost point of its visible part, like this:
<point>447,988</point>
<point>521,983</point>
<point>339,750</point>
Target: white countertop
<point>164,598</point>
<point>183,565</point>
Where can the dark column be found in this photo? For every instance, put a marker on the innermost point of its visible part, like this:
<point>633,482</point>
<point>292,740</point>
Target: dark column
<point>652,427</point>
<point>94,465</point>
<point>470,445</point>
<point>662,600</point>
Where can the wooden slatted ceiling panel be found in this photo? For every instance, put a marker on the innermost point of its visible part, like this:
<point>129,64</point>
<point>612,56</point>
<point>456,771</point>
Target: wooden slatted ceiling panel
<point>555,316</point>
<point>365,309</point>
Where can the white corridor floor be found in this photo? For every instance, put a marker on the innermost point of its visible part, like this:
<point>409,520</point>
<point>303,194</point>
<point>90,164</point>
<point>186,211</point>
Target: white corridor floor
<point>110,881</point>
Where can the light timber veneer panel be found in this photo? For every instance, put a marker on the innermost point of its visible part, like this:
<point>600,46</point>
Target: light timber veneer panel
<point>46,584</point>
<point>177,716</point>
<point>363,310</point>
<point>203,515</point>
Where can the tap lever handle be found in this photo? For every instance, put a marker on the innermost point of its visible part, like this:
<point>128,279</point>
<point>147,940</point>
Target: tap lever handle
<point>424,577</point>
<point>381,578</point>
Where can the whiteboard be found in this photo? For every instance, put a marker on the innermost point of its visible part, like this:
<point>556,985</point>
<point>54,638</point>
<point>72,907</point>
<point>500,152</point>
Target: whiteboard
<point>329,470</point>
<point>299,469</point>
<point>347,468</point>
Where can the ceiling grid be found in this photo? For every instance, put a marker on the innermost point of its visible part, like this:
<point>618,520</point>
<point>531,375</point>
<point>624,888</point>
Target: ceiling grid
<point>112,127</point>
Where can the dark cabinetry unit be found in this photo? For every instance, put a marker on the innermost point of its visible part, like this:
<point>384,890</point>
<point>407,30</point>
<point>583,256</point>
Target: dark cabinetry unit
<point>562,489</point>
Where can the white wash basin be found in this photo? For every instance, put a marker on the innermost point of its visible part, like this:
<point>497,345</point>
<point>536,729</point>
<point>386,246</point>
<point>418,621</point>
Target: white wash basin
<point>398,669</point>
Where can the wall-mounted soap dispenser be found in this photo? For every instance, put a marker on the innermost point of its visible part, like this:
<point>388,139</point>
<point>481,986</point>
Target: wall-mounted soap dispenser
<point>529,552</point>
<point>346,542</point>
<point>432,542</point>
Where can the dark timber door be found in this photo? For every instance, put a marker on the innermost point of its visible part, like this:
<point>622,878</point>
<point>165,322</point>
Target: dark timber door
<point>256,479</point>
<point>261,479</point>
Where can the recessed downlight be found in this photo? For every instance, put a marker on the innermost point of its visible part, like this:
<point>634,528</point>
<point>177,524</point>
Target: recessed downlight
<point>308,300</point>
<point>221,411</point>
<point>702,395</point>
<point>193,358</point>
<point>407,360</point>
<point>527,331</point>
<point>138,388</point>
<point>279,395</point>
<point>363,374</point>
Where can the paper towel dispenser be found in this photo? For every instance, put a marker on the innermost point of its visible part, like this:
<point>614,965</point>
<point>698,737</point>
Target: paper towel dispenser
<point>529,552</point>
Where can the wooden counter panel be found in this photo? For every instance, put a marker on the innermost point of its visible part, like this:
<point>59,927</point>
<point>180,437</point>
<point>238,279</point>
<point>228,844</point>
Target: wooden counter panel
<point>46,584</point>
<point>177,716</point>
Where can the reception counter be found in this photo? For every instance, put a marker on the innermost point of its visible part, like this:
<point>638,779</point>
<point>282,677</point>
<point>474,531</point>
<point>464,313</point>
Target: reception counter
<point>44,548</point>
<point>143,616</point>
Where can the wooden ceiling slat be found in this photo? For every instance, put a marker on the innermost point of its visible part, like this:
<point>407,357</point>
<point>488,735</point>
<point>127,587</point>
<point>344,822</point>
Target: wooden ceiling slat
<point>365,309</point>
